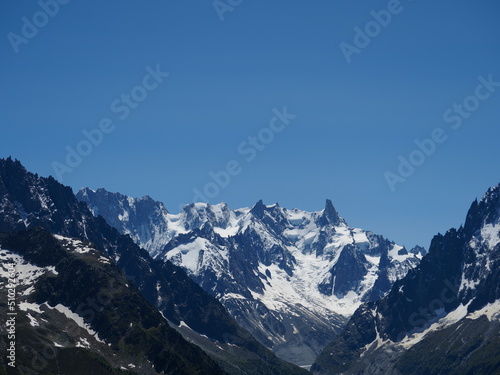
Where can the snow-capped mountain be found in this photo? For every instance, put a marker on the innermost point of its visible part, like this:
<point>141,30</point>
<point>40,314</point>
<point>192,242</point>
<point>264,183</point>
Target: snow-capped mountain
<point>74,259</point>
<point>144,219</point>
<point>442,318</point>
<point>291,277</point>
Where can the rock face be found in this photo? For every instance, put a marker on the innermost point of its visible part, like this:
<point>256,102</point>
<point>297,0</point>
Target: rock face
<point>442,318</point>
<point>28,201</point>
<point>291,277</point>
<point>145,217</point>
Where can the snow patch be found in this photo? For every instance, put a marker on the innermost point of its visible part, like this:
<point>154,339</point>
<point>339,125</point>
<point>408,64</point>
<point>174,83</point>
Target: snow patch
<point>76,318</point>
<point>33,321</point>
<point>226,232</point>
<point>183,324</point>
<point>25,306</point>
<point>442,321</point>
<point>491,311</point>
<point>83,343</point>
<point>490,235</point>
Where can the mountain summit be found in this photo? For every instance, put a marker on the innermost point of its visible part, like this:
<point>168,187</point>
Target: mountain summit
<point>330,215</point>
<point>68,259</point>
<point>291,277</point>
<point>442,318</point>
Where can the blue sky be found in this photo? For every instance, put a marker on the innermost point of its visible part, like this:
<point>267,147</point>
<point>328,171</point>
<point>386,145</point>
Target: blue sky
<point>353,120</point>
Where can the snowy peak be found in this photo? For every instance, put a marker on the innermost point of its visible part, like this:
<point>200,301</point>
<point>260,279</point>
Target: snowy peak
<point>274,268</point>
<point>28,201</point>
<point>126,203</point>
<point>442,309</point>
<point>273,219</point>
<point>144,219</point>
<point>196,215</point>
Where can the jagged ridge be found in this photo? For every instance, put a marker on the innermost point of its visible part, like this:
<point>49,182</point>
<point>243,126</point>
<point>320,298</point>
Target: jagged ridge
<point>442,318</point>
<point>289,276</point>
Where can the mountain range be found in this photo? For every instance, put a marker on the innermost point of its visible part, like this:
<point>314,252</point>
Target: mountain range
<point>291,277</point>
<point>98,282</point>
<point>441,318</point>
<point>157,320</point>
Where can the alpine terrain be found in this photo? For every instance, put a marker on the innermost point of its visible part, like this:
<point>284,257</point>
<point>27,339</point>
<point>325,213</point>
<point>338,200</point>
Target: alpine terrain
<point>442,318</point>
<point>87,299</point>
<point>291,277</point>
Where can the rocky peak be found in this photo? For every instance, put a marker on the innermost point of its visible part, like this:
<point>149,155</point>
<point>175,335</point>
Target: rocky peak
<point>258,209</point>
<point>486,211</point>
<point>330,215</point>
<point>418,250</point>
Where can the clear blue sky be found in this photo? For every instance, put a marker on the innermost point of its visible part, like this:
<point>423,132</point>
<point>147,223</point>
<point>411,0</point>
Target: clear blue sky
<point>353,119</point>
